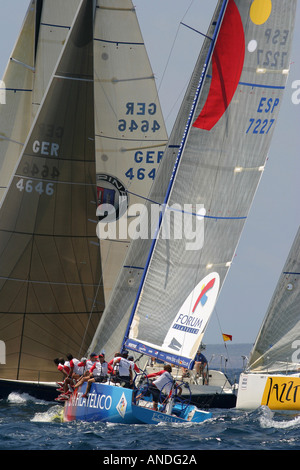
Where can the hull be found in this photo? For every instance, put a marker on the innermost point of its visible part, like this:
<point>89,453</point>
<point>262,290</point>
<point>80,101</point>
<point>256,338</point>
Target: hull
<point>107,403</point>
<point>113,404</point>
<point>40,390</point>
<point>148,416</point>
<point>279,392</point>
<point>206,397</point>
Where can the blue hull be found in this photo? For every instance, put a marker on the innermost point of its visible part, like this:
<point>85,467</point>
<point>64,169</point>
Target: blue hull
<point>147,416</point>
<point>109,403</point>
<point>106,403</point>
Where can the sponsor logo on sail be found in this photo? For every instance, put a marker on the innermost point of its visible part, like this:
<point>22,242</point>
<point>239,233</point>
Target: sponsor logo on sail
<point>112,198</point>
<point>122,405</point>
<point>191,320</point>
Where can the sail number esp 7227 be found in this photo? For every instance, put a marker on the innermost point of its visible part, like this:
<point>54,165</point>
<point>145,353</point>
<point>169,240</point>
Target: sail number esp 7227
<point>266,106</point>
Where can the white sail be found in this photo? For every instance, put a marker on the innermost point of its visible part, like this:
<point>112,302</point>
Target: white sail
<point>30,67</point>
<point>277,345</point>
<point>227,120</point>
<point>18,84</point>
<point>130,134</point>
<point>54,21</point>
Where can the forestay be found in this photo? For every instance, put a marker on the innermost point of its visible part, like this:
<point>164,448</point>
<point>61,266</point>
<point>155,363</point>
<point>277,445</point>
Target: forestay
<point>50,296</point>
<point>227,120</point>
<point>276,348</point>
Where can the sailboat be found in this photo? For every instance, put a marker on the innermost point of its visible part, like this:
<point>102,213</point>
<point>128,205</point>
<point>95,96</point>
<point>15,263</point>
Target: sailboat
<point>272,376</point>
<point>52,272</point>
<point>170,282</point>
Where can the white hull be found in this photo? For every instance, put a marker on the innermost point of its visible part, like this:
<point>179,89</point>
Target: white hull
<point>280,392</point>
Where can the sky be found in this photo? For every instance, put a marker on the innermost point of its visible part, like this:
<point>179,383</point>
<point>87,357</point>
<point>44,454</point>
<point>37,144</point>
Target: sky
<point>274,217</point>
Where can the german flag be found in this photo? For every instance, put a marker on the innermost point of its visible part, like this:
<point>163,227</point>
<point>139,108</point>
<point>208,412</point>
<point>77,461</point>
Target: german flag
<point>227,337</point>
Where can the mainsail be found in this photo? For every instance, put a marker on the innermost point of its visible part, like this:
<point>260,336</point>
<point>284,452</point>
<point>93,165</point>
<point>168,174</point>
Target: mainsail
<point>227,120</point>
<point>17,89</point>
<point>277,345</point>
<point>53,22</point>
<point>130,134</point>
<point>50,297</point>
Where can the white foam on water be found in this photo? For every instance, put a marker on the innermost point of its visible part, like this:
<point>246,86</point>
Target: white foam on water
<point>269,419</point>
<point>20,398</point>
<point>54,414</point>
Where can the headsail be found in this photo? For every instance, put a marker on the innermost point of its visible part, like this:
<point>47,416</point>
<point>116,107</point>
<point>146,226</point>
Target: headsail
<point>218,166</point>
<point>30,67</point>
<point>50,296</point>
<point>16,91</point>
<point>277,345</point>
<point>130,134</point>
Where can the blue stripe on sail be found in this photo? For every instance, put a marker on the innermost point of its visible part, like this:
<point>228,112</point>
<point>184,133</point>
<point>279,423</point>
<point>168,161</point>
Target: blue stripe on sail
<point>56,25</point>
<point>16,89</point>
<point>133,267</point>
<point>289,272</point>
<point>258,85</point>
<point>120,42</point>
<point>215,217</point>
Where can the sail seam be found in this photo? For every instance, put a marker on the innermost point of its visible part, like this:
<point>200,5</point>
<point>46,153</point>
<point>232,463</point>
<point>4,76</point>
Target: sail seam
<point>258,85</point>
<point>47,235</point>
<point>124,43</point>
<point>16,89</point>
<point>74,78</point>
<point>52,283</point>
<point>215,217</point>
<point>54,181</point>
<point>100,7</point>
<point>55,25</point>
<point>128,140</point>
<point>134,267</point>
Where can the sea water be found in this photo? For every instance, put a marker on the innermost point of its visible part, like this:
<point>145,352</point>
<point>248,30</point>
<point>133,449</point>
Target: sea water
<point>30,424</point>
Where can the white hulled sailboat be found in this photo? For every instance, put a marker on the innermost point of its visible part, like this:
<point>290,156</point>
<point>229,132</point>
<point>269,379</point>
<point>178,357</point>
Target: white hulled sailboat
<point>272,375</point>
